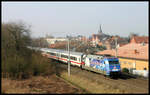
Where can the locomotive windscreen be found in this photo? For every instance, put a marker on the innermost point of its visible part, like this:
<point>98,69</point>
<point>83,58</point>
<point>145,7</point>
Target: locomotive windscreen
<point>113,62</point>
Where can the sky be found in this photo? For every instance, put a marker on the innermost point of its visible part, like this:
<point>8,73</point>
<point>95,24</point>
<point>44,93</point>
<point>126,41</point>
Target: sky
<point>60,19</point>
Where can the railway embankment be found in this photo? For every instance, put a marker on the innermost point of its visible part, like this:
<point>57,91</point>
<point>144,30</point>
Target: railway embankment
<point>89,86</point>
<point>96,83</point>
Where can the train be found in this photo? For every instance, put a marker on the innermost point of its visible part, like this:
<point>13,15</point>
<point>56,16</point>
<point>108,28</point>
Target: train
<point>106,65</point>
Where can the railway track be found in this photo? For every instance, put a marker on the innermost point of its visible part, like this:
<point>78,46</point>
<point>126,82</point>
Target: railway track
<point>125,83</point>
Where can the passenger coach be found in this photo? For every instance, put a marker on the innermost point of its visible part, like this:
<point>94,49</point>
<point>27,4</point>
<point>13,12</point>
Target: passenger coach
<point>75,57</point>
<point>61,55</point>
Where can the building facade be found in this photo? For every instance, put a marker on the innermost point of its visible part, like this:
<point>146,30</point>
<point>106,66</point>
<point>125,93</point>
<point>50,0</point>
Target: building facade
<point>131,56</point>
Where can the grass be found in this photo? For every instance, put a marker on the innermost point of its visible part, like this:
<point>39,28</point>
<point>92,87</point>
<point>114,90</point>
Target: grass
<point>90,86</point>
<point>74,84</point>
<point>38,84</point>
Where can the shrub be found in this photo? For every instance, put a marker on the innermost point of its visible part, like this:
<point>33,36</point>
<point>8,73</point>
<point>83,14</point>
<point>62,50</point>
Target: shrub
<point>22,68</point>
<point>19,62</point>
<point>41,65</point>
<point>125,70</point>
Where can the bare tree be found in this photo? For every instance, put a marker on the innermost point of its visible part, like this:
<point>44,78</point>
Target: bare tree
<point>15,38</point>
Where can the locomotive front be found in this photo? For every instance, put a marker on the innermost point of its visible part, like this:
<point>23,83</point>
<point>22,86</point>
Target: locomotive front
<point>113,66</point>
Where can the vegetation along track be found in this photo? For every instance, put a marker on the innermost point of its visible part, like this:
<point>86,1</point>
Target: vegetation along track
<point>125,83</point>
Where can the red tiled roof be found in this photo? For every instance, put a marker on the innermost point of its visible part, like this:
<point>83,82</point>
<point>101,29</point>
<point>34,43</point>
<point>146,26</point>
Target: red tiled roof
<point>130,50</point>
<point>139,39</point>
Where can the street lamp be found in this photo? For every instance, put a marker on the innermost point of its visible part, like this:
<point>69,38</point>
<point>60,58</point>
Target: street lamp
<point>68,57</point>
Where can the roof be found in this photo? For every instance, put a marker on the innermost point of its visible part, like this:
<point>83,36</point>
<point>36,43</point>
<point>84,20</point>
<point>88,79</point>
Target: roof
<point>119,40</point>
<point>140,39</point>
<point>62,51</point>
<point>131,50</point>
<point>71,52</point>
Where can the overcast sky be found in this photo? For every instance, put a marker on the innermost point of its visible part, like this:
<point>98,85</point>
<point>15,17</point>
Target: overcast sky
<point>79,18</point>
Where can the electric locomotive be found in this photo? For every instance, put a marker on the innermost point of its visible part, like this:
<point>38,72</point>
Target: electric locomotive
<point>108,66</point>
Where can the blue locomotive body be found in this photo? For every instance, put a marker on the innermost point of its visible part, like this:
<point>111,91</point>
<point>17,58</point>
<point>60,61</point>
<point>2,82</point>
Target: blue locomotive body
<point>112,66</point>
<point>107,65</point>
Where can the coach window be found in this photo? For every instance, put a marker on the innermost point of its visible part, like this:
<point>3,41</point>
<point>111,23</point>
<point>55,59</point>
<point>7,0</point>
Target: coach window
<point>61,55</point>
<point>65,56</point>
<point>53,54</point>
<point>73,58</point>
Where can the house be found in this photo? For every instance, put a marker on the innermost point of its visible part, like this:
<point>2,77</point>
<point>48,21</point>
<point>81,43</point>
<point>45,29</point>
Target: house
<point>54,40</point>
<point>131,56</point>
<point>59,45</point>
<point>139,39</point>
<point>110,42</point>
<point>95,39</point>
<point>81,38</point>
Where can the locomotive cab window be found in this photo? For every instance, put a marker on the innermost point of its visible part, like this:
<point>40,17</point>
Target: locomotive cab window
<point>113,62</point>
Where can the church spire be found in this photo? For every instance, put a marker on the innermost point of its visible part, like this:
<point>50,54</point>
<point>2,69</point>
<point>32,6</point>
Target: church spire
<point>100,30</point>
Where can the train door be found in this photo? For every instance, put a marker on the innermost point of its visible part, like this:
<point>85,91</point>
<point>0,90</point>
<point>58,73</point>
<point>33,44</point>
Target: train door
<point>58,56</point>
<point>87,61</point>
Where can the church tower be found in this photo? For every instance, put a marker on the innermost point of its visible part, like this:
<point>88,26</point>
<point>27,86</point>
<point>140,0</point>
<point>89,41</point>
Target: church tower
<point>100,30</point>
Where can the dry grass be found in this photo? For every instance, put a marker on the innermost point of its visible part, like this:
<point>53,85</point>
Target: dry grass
<point>51,84</point>
<point>91,86</point>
